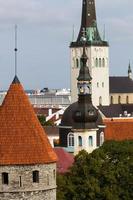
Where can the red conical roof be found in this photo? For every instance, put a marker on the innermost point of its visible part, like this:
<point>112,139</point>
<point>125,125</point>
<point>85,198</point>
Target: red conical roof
<point>22,138</point>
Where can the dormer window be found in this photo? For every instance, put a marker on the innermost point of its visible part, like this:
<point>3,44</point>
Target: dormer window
<point>35,175</point>
<point>5,178</point>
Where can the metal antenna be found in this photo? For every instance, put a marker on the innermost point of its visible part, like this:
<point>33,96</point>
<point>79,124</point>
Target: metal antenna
<point>16,50</point>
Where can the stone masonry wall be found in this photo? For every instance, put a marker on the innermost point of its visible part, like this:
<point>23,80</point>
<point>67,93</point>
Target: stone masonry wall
<point>21,186</point>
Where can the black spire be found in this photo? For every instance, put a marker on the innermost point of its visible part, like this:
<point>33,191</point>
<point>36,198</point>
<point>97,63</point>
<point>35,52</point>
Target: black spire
<point>88,15</point>
<point>129,71</point>
<point>84,78</point>
<point>84,74</point>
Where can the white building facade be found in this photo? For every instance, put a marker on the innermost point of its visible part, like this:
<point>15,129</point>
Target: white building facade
<point>97,51</point>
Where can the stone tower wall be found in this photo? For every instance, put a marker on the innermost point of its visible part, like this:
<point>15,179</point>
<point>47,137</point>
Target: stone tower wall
<point>21,186</point>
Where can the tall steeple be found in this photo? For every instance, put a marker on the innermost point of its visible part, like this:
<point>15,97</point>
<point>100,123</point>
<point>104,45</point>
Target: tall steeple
<point>129,71</point>
<point>96,49</point>
<point>88,21</point>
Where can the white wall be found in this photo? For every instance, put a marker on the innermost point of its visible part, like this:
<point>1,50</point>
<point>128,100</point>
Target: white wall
<point>100,75</point>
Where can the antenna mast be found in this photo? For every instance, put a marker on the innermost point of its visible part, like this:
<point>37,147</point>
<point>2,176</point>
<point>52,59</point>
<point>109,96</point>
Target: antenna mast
<point>16,50</point>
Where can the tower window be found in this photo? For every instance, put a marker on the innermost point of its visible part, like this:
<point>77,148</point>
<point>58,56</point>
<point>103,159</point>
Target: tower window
<point>100,63</point>
<point>102,84</point>
<point>96,62</point>
<point>127,99</point>
<point>80,141</point>
<point>100,100</point>
<point>35,175</point>
<point>97,84</point>
<point>5,178</point>
<point>119,99</point>
<point>101,138</point>
<point>103,62</point>
<point>70,139</point>
<point>77,63</point>
<point>90,141</point>
<point>112,99</point>
<point>54,174</point>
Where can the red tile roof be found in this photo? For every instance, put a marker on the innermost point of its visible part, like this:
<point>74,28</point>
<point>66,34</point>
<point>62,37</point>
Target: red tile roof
<point>22,138</point>
<point>65,160</point>
<point>119,129</point>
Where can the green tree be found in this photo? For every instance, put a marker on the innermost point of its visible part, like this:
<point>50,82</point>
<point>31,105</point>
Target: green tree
<point>105,174</point>
<point>43,121</point>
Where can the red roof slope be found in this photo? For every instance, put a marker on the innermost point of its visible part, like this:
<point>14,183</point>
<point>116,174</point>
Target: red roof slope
<point>22,138</point>
<point>65,160</point>
<point>119,129</point>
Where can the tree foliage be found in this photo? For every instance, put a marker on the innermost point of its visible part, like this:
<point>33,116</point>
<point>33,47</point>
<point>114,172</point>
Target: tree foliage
<point>105,174</point>
<point>43,121</point>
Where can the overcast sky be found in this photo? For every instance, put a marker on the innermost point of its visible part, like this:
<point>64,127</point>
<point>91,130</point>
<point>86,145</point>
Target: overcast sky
<point>44,35</point>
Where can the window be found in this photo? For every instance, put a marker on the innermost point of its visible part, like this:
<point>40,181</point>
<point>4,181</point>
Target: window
<point>103,62</point>
<point>112,100</point>
<point>5,179</point>
<point>20,181</point>
<point>77,63</point>
<point>97,84</point>
<point>100,63</point>
<point>90,141</point>
<point>127,99</point>
<point>96,62</point>
<point>102,84</point>
<point>70,139</point>
<point>119,99</point>
<point>54,174</point>
<point>100,100</point>
<point>101,138</point>
<point>35,175</point>
<point>80,141</point>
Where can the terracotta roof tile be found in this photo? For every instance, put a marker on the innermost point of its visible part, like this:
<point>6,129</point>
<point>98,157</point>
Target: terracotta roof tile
<point>119,129</point>
<point>22,138</point>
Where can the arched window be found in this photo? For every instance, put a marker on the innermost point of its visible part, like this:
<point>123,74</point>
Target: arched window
<point>112,100</point>
<point>119,99</point>
<point>100,100</point>
<point>101,138</point>
<point>5,178</point>
<point>97,84</point>
<point>70,139</point>
<point>90,141</point>
<point>100,62</point>
<point>103,62</point>
<point>80,141</point>
<point>102,84</point>
<point>35,176</point>
<point>77,63</point>
<point>127,99</point>
<point>96,62</point>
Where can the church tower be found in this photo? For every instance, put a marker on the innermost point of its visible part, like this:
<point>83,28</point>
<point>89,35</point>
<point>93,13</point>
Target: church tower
<point>97,53</point>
